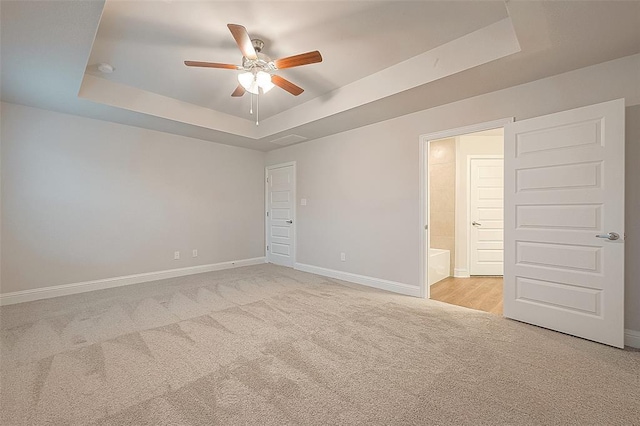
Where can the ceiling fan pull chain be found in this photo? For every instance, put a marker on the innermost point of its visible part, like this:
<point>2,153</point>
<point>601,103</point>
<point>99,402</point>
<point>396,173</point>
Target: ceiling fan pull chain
<point>257,107</point>
<point>251,109</point>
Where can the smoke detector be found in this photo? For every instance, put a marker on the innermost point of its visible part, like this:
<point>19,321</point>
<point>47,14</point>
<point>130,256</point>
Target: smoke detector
<point>105,68</point>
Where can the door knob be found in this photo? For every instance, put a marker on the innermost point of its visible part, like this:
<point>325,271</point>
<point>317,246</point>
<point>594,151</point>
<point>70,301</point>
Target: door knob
<point>289,221</point>
<point>610,236</point>
<point>474,223</point>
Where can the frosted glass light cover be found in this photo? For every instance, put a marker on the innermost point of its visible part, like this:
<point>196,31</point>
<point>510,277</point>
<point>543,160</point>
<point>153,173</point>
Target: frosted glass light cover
<point>264,81</point>
<point>263,77</point>
<point>267,86</point>
<point>245,79</point>
<point>253,88</point>
<point>253,82</point>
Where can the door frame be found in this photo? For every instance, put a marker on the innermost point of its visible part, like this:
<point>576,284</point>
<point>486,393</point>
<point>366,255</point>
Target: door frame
<point>423,158</point>
<point>468,212</point>
<point>266,210</point>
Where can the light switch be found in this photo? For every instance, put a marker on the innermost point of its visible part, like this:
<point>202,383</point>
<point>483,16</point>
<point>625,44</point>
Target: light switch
<point>303,201</point>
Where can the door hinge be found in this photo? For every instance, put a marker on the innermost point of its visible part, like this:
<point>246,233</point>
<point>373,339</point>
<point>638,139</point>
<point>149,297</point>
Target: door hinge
<point>267,214</point>
<point>267,248</point>
<point>267,179</point>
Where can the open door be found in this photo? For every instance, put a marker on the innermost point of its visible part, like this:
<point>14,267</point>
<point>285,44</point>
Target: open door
<point>564,222</point>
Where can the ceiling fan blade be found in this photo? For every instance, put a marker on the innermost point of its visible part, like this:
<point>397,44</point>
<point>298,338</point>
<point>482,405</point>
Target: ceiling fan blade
<point>211,65</point>
<point>298,60</point>
<point>239,91</point>
<point>286,85</point>
<point>244,41</point>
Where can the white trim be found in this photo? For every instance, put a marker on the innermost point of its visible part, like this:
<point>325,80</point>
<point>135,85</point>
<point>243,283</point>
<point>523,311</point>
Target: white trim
<point>461,273</point>
<point>67,289</point>
<point>294,213</point>
<point>632,338</point>
<point>473,128</point>
<point>424,218</point>
<point>424,196</point>
<point>395,287</point>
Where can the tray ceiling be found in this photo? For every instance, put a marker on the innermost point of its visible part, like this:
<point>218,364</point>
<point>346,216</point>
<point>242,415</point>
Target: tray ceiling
<point>382,59</point>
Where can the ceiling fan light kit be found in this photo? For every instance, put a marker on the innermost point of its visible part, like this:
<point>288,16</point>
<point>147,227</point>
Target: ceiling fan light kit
<point>255,81</point>
<point>257,69</point>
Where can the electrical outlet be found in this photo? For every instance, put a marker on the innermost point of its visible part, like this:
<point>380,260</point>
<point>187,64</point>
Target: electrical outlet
<point>194,253</point>
<point>176,255</point>
<point>343,257</point>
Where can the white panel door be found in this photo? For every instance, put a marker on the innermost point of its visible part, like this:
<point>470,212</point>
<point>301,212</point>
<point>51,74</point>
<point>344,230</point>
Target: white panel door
<point>280,205</point>
<point>486,194</point>
<point>564,222</point>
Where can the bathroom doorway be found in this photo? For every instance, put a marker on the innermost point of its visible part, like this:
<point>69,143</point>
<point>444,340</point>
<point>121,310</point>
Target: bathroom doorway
<point>463,183</point>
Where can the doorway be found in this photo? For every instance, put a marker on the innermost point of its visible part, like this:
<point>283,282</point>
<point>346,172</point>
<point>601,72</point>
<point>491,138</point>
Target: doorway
<point>464,179</point>
<point>563,220</point>
<point>280,204</point>
<point>486,210</point>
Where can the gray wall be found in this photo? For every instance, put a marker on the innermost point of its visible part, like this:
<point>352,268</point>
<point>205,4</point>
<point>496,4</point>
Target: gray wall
<point>85,199</point>
<point>362,186</point>
<point>632,219</point>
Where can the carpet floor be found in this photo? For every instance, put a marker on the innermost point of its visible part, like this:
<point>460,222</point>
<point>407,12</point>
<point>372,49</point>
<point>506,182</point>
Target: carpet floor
<point>265,345</point>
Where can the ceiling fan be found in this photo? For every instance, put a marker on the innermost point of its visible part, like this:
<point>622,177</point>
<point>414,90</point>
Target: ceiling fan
<point>258,76</point>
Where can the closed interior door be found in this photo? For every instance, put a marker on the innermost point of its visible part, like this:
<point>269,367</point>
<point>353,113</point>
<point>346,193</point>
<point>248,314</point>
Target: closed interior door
<point>486,194</point>
<point>564,222</point>
<point>280,205</point>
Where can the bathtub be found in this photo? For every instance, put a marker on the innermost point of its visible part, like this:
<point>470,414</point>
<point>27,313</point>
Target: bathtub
<point>439,265</point>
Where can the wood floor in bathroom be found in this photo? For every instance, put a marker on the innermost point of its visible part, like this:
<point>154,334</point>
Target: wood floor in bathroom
<point>481,293</point>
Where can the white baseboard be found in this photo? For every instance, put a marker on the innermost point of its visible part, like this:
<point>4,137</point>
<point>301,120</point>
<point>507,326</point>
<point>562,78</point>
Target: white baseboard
<point>67,289</point>
<point>461,273</point>
<point>392,286</point>
<point>632,338</point>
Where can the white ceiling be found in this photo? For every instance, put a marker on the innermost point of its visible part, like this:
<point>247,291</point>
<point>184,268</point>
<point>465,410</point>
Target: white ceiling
<point>381,59</point>
<point>147,43</point>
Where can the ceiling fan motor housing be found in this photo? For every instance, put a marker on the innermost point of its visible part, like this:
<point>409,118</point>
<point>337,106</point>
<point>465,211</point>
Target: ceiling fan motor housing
<point>263,63</point>
<point>257,44</point>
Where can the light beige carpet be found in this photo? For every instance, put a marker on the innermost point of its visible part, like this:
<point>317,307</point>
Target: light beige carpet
<point>270,345</point>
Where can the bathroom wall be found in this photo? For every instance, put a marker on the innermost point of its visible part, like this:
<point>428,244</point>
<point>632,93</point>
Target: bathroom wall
<point>442,196</point>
